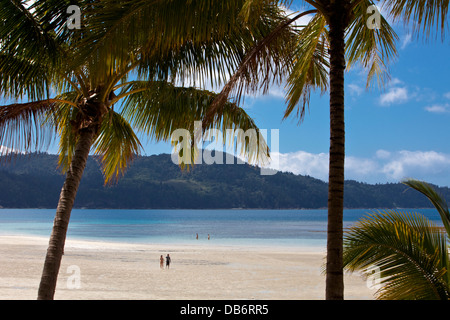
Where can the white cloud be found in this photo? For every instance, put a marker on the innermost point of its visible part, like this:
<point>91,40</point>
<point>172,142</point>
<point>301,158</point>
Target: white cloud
<point>441,107</point>
<point>359,167</point>
<point>304,163</point>
<point>417,164</point>
<point>395,81</point>
<point>382,154</point>
<point>394,95</point>
<point>406,41</point>
<point>384,166</point>
<point>438,108</point>
<point>398,92</point>
<point>355,89</point>
<point>316,165</point>
<point>277,91</point>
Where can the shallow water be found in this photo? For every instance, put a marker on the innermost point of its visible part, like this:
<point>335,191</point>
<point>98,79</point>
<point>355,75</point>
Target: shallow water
<point>255,227</point>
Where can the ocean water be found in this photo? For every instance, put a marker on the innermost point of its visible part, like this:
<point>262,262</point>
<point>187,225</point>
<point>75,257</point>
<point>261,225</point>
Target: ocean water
<point>225,227</point>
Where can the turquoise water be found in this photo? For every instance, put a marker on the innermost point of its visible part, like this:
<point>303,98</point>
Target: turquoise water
<point>254,227</point>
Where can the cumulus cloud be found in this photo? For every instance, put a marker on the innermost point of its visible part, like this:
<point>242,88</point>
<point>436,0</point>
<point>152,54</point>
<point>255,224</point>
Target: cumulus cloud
<point>316,165</point>
<point>394,95</point>
<point>304,163</point>
<point>416,163</point>
<point>384,166</point>
<point>359,167</point>
<point>382,154</point>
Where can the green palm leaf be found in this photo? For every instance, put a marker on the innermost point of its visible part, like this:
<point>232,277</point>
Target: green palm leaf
<point>409,250</point>
<point>28,49</point>
<point>158,108</point>
<point>88,72</point>
<point>205,44</point>
<point>425,15</point>
<point>373,49</point>
<point>311,66</point>
<point>23,126</point>
<point>63,119</point>
<point>116,144</point>
<point>20,77</point>
<point>438,202</point>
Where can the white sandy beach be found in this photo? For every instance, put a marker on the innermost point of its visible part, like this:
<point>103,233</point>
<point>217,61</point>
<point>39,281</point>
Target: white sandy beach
<point>201,271</point>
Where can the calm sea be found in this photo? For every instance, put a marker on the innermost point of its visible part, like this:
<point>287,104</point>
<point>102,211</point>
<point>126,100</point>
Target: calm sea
<point>226,227</point>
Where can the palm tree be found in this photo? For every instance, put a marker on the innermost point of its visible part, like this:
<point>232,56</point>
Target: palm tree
<point>75,85</point>
<point>409,251</point>
<point>335,39</point>
<point>319,63</point>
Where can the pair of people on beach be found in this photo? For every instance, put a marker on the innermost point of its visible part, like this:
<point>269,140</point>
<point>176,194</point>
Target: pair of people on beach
<point>161,261</point>
<point>197,236</point>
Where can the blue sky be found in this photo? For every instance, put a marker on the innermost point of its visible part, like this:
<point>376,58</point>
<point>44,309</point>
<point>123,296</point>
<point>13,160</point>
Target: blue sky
<point>400,132</point>
<point>391,134</point>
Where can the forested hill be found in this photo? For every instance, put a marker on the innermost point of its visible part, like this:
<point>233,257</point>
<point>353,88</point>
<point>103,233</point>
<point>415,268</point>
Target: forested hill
<point>34,181</point>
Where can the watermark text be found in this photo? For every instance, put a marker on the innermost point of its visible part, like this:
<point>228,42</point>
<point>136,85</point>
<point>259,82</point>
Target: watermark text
<point>74,20</point>
<point>254,142</point>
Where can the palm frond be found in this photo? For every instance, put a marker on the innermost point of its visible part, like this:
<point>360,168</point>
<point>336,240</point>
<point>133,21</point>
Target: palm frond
<point>22,32</point>
<point>254,8</point>
<point>27,50</point>
<point>267,62</point>
<point>373,49</point>
<point>182,46</point>
<point>409,251</point>
<point>311,66</point>
<point>437,200</point>
<point>425,16</point>
<point>124,27</point>
<point>21,77</point>
<point>23,126</point>
<point>116,144</point>
<point>160,108</point>
<point>62,120</point>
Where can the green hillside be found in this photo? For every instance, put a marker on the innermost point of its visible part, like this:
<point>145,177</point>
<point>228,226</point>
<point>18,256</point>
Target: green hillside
<point>31,181</point>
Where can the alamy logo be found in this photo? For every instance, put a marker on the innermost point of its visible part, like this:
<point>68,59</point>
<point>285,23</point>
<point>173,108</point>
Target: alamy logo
<point>74,280</point>
<point>183,146</point>
<point>374,20</point>
<point>374,277</point>
<point>74,20</point>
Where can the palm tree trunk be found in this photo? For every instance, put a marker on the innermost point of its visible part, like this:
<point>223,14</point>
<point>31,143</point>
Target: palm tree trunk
<point>334,273</point>
<point>66,199</point>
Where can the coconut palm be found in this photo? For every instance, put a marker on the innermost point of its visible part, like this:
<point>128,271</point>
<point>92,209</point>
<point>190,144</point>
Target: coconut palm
<point>336,38</point>
<point>408,252</point>
<point>74,87</point>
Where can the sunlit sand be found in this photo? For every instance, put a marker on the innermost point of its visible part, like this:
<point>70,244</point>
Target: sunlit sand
<point>107,270</point>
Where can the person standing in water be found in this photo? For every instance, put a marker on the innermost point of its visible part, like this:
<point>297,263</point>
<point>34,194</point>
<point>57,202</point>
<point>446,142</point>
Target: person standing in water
<point>168,260</point>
